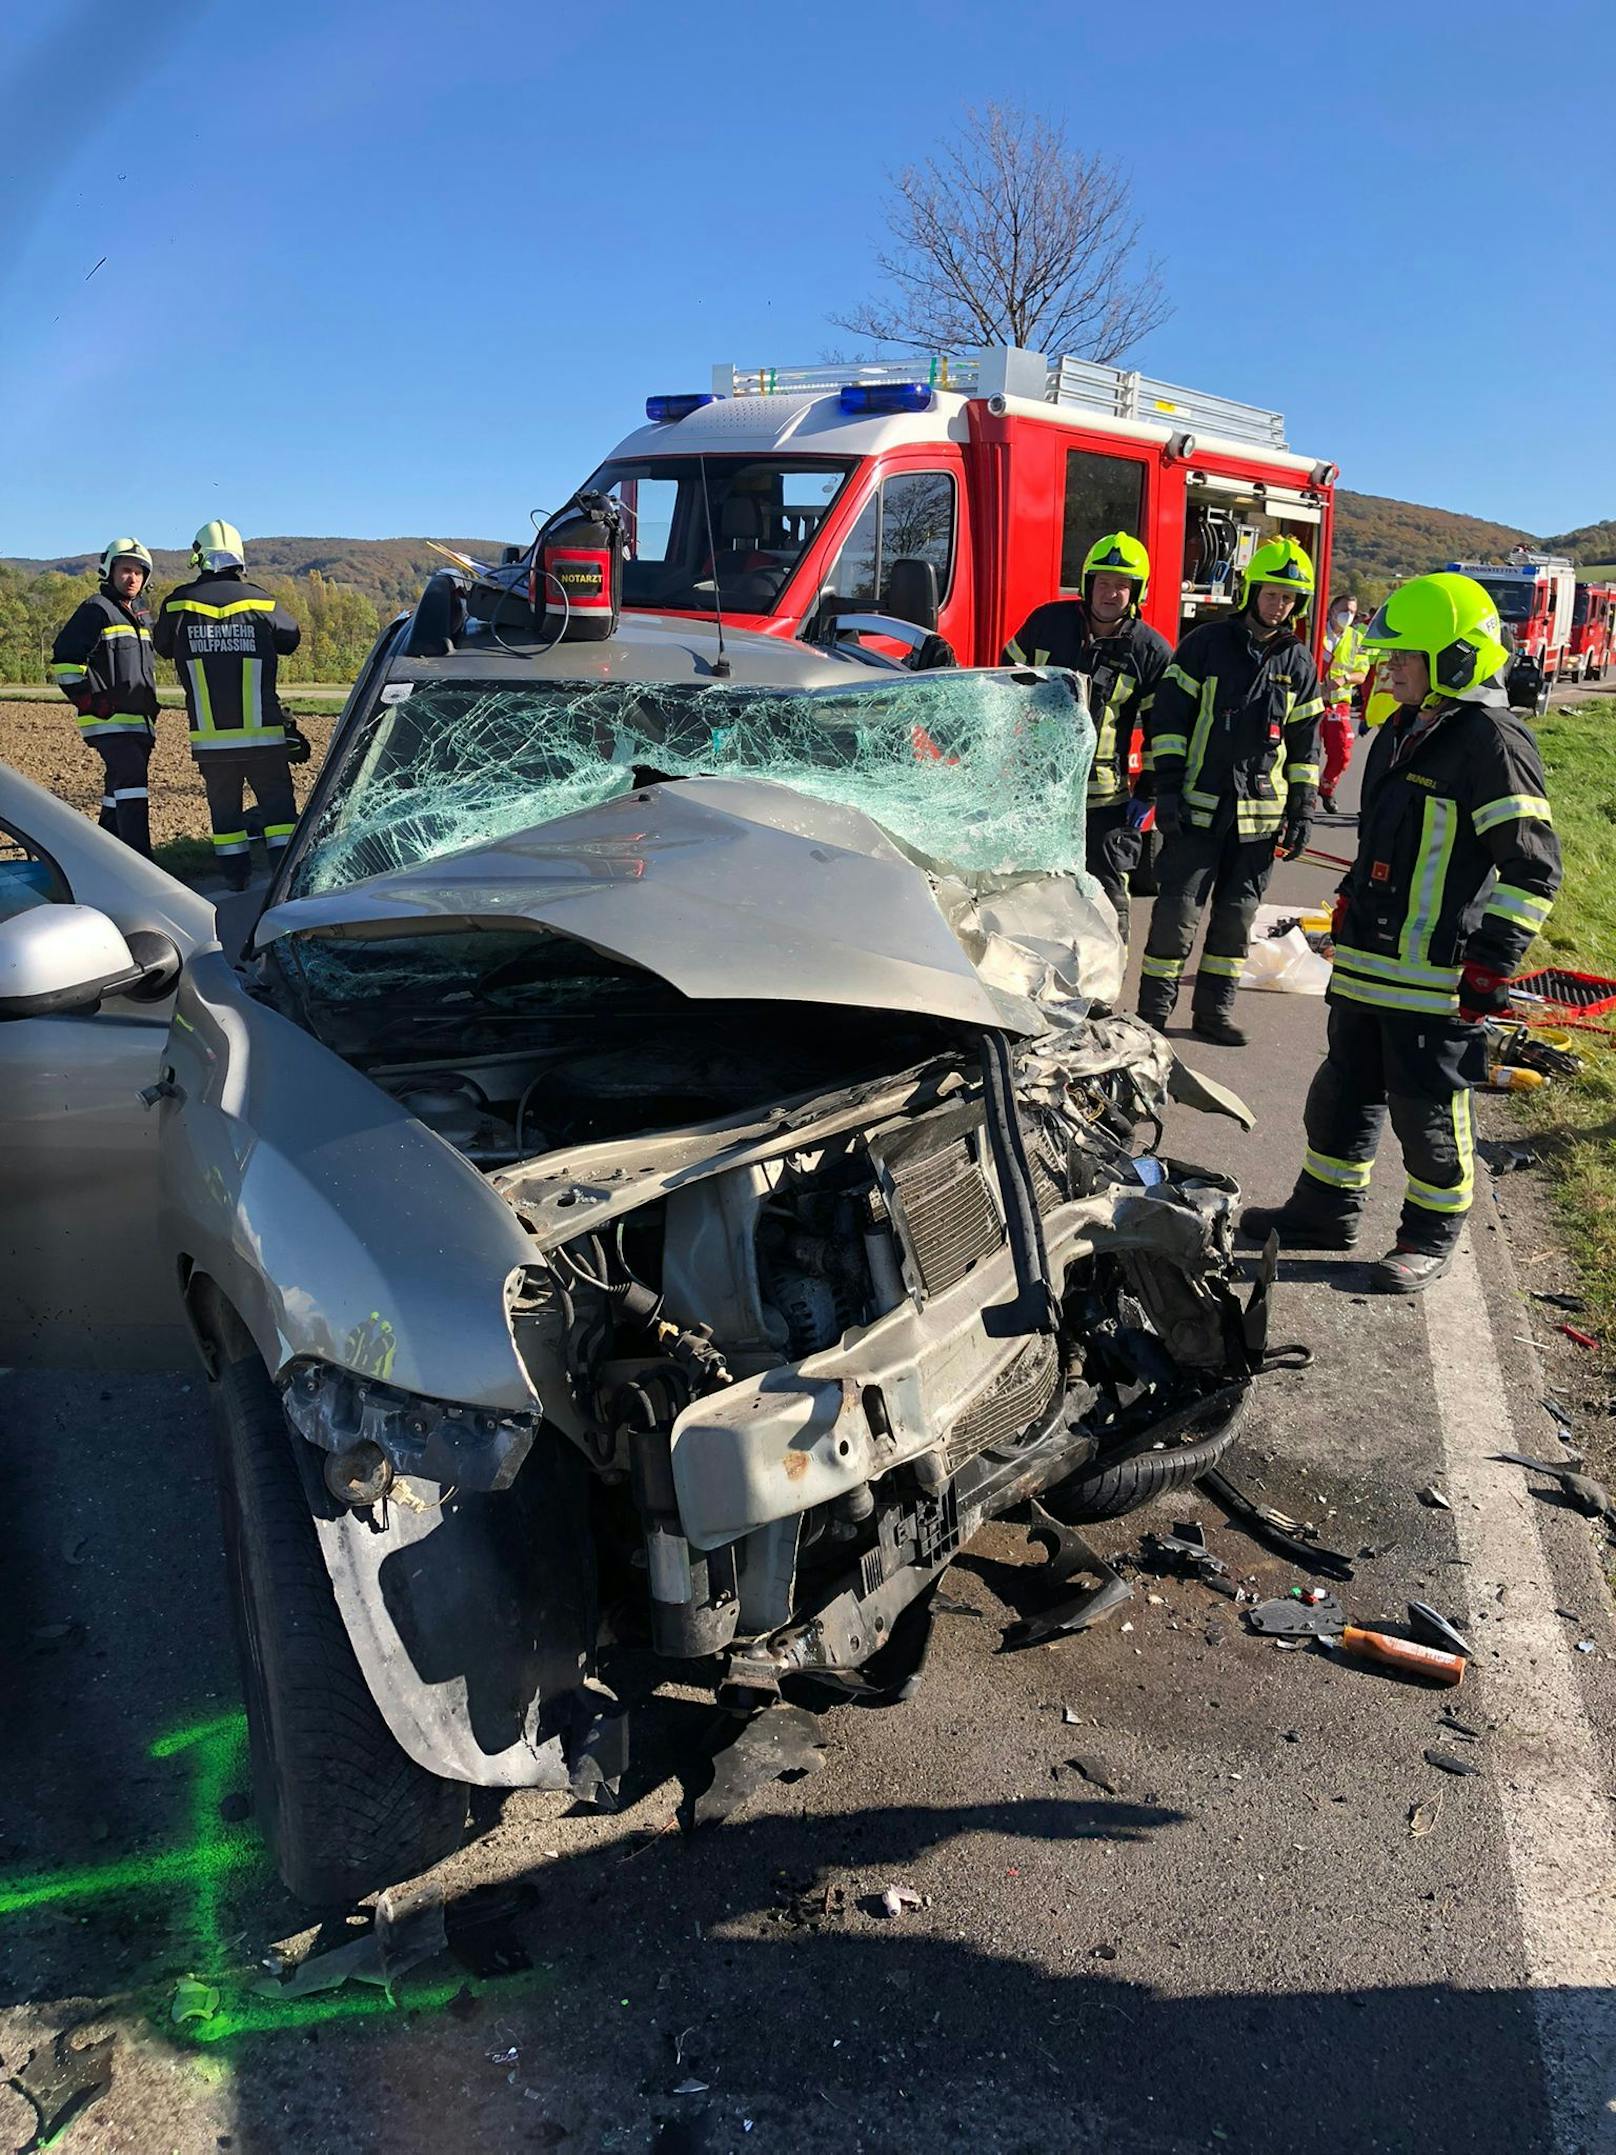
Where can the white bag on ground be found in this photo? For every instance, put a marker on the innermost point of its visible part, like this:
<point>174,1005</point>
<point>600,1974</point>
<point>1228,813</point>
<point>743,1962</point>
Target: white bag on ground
<point>1288,964</point>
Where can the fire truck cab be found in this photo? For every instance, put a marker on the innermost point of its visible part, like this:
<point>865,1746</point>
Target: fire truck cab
<point>948,498</point>
<point>1534,596</point>
<point>1593,631</point>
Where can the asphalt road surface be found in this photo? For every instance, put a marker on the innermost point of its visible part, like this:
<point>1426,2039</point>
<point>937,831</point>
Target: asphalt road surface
<point>1258,1921</point>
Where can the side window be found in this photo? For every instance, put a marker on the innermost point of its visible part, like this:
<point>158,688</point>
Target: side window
<point>909,518</point>
<point>1103,493</point>
<point>27,877</point>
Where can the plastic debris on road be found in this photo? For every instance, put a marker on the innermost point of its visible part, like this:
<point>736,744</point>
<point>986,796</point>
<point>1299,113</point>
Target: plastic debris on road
<point>895,1899</point>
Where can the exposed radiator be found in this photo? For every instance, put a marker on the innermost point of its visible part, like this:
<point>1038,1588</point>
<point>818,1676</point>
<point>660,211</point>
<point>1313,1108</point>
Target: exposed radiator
<point>1014,1400</point>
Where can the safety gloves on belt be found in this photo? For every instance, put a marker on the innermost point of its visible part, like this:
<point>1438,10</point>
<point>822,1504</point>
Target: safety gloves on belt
<point>1483,994</point>
<point>1297,827</point>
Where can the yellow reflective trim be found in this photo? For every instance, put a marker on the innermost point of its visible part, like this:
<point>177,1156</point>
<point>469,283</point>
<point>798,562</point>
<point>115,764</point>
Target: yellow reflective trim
<point>1385,997</point>
<point>1302,774</point>
<point>199,690</point>
<point>1161,968</point>
<point>279,830</point>
<point>1186,681</point>
<point>1201,732</point>
<point>1381,967</point>
<point>1511,808</point>
<point>1313,708</point>
<point>1014,653</point>
<point>252,715</point>
<point>230,838</point>
<point>1170,744</point>
<point>1512,903</point>
<point>1341,1174</point>
<point>219,613</point>
<point>1225,968</point>
<point>240,737</point>
<point>64,672</point>
<point>1438,829</point>
<point>118,628</point>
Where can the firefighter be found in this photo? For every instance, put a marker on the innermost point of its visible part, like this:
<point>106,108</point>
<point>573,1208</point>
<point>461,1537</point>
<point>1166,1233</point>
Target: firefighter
<point>225,636</point>
<point>1235,720</point>
<point>1345,667</point>
<point>1102,636</point>
<point>1456,869</point>
<point>102,663</point>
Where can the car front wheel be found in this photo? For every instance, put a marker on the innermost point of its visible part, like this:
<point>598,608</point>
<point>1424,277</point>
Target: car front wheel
<point>343,1809</point>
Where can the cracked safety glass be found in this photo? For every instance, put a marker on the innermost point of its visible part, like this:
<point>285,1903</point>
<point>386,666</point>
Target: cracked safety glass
<point>978,772</point>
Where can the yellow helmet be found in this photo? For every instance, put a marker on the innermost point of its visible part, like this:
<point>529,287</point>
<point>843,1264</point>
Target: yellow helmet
<point>1122,554</point>
<point>1282,562</point>
<point>218,546</point>
<point>1453,620</point>
<point>125,550</point>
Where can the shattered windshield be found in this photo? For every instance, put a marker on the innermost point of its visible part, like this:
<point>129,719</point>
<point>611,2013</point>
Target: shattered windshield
<point>984,771</point>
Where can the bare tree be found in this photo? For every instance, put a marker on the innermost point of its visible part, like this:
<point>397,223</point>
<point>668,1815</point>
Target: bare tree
<point>1010,236</point>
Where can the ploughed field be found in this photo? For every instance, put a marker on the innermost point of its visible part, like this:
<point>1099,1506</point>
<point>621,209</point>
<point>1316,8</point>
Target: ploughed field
<point>41,740</point>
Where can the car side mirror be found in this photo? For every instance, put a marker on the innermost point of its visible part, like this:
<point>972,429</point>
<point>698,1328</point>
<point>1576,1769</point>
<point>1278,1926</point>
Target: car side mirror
<point>58,959</point>
<point>911,593</point>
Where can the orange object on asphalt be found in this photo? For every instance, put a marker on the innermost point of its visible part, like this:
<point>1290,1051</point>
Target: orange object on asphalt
<point>1405,1654</point>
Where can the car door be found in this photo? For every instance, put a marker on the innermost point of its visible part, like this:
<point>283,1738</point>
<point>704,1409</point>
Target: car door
<point>81,1281</point>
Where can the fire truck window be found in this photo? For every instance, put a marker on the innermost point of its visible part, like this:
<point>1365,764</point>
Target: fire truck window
<point>1103,493</point>
<point>854,574</point>
<point>1579,605</point>
<point>911,518</point>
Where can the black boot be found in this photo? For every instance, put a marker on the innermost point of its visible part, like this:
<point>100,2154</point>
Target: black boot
<point>1218,1027</point>
<point>1403,1271</point>
<point>1299,1227</point>
<point>237,871</point>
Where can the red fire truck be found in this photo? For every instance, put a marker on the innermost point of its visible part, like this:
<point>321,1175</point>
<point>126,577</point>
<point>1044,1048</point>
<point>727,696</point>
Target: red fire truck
<point>953,496</point>
<point>1593,631</point>
<point>1534,595</point>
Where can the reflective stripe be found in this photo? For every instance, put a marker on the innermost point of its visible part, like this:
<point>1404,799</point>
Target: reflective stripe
<point>1301,774</point>
<point>1014,653</point>
<point>1225,968</point>
<point>231,841</point>
<point>1340,1174</point>
<point>1510,902</point>
<point>279,830</point>
<point>132,793</point>
<point>1256,819</point>
<point>123,628</point>
<point>89,727</point>
<point>1456,1197</point>
<point>219,613</point>
<point>1437,831</point>
<point>1202,731</point>
<point>1511,808</point>
<point>274,841</point>
<point>203,701</point>
<point>1187,682</point>
<point>1170,744</point>
<point>1313,708</point>
<point>1161,968</point>
<point>1381,967</point>
<point>1385,997</point>
<point>241,737</point>
<point>65,672</point>
<point>252,714</point>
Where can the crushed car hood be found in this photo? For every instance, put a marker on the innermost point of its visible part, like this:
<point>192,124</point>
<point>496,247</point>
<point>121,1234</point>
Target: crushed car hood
<point>726,888</point>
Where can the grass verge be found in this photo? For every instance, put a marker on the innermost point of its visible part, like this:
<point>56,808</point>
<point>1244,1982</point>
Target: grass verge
<point>1573,1123</point>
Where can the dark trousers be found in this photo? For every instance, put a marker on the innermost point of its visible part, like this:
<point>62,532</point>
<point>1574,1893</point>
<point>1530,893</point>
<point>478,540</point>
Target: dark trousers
<point>1112,849</point>
<point>1198,867</point>
<point>226,773</point>
<point>125,797</point>
<point>1420,1070</point>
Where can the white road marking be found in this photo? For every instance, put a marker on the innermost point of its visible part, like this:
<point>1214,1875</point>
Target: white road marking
<point>1557,1819</point>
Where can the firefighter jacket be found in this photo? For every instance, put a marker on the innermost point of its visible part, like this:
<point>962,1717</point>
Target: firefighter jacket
<point>1457,859</point>
<point>102,663</point>
<point>1345,665</point>
<point>225,636</point>
<point>1235,728</point>
<point>1122,671</point>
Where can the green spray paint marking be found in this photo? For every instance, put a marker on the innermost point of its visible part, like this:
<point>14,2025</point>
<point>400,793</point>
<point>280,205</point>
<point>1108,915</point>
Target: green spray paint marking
<point>217,1854</point>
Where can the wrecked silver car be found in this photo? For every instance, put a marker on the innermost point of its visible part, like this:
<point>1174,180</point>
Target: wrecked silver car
<point>665,1171</point>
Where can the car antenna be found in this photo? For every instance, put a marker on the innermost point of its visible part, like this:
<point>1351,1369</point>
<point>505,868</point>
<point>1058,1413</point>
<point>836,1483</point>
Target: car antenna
<point>721,663</point>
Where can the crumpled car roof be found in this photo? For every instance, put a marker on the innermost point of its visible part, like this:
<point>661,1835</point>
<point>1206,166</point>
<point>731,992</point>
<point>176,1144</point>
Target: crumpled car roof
<point>727,888</point>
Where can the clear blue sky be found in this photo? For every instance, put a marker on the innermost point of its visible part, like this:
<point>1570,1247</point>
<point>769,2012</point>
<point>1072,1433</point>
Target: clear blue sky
<point>392,267</point>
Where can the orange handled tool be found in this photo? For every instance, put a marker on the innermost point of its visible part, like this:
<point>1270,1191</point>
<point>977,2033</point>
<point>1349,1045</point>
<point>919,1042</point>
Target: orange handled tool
<point>1405,1654</point>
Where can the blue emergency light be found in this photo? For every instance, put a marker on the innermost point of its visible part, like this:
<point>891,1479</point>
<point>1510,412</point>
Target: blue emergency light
<point>863,398</point>
<point>661,409</point>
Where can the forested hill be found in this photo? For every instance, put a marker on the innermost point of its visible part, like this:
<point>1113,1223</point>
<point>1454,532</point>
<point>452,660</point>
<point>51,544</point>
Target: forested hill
<point>389,572</point>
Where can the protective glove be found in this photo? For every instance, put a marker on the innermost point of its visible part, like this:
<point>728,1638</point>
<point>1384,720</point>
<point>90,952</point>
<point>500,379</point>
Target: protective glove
<point>1483,994</point>
<point>1294,834</point>
<point>1169,810</point>
<point>298,749</point>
